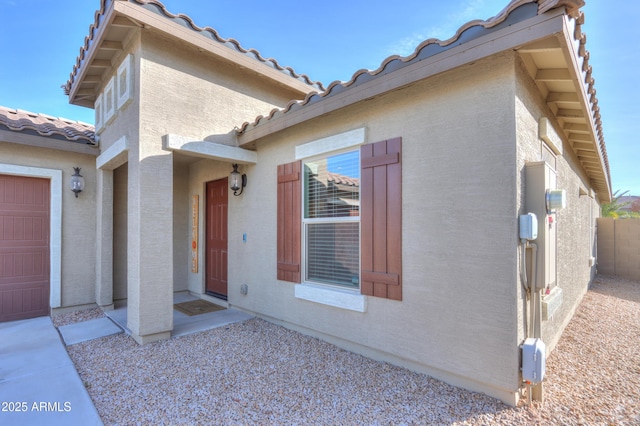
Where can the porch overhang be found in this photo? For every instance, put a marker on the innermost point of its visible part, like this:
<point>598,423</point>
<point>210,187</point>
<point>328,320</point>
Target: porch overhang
<point>114,156</point>
<point>209,150</point>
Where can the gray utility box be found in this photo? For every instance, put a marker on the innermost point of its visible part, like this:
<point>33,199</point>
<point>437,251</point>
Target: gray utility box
<point>533,360</point>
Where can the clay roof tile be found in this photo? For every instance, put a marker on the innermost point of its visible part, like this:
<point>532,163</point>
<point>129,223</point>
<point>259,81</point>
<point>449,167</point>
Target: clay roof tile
<point>19,120</point>
<point>187,22</point>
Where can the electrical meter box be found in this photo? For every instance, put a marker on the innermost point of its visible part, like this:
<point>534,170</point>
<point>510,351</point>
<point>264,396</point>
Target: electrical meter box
<point>540,195</point>
<point>533,360</point>
<point>528,227</point>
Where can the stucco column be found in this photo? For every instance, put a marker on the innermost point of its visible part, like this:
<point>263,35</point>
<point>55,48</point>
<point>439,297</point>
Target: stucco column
<point>150,245</point>
<point>104,239</point>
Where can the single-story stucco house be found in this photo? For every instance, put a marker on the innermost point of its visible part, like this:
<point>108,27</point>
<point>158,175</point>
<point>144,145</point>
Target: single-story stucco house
<point>382,214</point>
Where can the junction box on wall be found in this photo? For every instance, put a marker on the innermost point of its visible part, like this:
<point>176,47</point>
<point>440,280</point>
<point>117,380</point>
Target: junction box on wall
<point>533,360</point>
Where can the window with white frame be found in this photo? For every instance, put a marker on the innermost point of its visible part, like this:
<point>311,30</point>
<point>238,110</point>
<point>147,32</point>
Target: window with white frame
<point>331,220</point>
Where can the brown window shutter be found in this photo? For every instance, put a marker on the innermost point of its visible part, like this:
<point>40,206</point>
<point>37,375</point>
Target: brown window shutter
<point>381,219</point>
<point>289,221</point>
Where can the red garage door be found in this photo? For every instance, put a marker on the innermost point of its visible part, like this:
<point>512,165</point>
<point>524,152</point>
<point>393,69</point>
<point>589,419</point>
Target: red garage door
<point>24,247</point>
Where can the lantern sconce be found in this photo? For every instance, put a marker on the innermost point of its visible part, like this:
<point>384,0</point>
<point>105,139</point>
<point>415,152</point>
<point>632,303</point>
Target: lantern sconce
<point>237,181</point>
<point>77,181</point>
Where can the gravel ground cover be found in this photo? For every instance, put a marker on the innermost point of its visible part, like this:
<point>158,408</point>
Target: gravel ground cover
<point>258,373</point>
<point>73,317</point>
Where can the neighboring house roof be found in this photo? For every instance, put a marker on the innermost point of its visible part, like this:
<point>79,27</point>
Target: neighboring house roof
<point>342,179</point>
<point>45,125</point>
<point>567,83</point>
<point>111,28</point>
<point>628,201</point>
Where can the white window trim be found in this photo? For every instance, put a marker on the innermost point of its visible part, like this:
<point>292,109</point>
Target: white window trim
<point>332,296</point>
<point>325,294</point>
<point>333,143</point>
<point>55,220</point>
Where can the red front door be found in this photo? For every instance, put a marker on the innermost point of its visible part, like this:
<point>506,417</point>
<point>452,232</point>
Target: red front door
<point>24,247</point>
<point>216,247</point>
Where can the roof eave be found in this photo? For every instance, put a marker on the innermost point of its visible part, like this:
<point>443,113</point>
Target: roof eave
<point>560,69</point>
<point>340,95</point>
<point>87,59</point>
<point>519,36</point>
<point>136,14</point>
<point>35,140</point>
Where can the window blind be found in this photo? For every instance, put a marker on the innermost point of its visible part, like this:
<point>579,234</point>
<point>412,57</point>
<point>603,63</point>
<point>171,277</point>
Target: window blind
<point>333,253</point>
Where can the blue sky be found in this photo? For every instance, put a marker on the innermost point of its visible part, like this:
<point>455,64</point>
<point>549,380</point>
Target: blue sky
<point>327,40</point>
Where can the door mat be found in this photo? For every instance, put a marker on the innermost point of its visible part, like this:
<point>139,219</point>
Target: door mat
<point>197,307</point>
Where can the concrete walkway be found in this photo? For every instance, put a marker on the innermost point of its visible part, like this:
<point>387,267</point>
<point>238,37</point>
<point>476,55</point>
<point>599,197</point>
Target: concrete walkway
<point>39,384</point>
<point>88,330</point>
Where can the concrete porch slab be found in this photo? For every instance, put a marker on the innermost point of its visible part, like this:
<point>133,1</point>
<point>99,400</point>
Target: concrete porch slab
<point>184,324</point>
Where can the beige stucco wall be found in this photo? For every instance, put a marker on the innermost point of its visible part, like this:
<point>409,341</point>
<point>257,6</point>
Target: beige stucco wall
<point>575,223</point>
<point>457,319</point>
<point>187,93</point>
<point>78,216</point>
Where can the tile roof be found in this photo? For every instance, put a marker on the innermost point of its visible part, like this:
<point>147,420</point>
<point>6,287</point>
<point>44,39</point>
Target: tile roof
<point>184,20</point>
<point>425,49</point>
<point>45,125</point>
<point>342,179</point>
<point>515,11</point>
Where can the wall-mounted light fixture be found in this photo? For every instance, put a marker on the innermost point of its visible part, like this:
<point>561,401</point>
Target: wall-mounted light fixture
<point>77,181</point>
<point>237,181</point>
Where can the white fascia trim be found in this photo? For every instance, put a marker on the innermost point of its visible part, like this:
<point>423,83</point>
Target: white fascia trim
<point>114,156</point>
<point>335,297</point>
<point>55,223</point>
<point>331,143</point>
<point>210,150</point>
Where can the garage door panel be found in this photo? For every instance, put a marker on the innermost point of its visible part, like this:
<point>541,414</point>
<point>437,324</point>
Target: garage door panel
<point>24,300</point>
<point>24,247</point>
<point>32,265</point>
<point>21,191</point>
<point>28,229</point>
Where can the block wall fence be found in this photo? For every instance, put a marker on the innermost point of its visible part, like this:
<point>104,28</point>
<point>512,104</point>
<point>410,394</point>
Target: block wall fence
<point>619,247</point>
